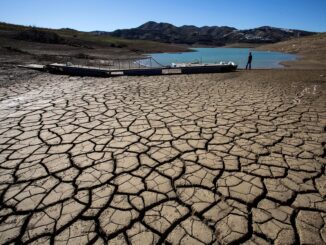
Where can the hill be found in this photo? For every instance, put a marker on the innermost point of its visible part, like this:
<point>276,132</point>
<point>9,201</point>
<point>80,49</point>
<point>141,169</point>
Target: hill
<point>207,35</point>
<point>21,37</point>
<point>311,51</point>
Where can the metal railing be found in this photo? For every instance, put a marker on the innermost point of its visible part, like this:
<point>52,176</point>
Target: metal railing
<point>114,64</point>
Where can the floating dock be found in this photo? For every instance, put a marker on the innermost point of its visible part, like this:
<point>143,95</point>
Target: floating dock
<point>73,70</point>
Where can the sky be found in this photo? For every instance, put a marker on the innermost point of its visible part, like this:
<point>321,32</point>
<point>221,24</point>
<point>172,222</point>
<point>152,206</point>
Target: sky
<point>109,15</point>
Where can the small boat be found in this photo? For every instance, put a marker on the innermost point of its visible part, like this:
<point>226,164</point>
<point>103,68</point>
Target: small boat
<point>196,67</point>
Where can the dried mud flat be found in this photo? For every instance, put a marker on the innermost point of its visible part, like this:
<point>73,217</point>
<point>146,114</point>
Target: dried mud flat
<point>201,159</point>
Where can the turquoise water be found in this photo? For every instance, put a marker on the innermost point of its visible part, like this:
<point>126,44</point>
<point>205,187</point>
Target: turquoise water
<point>261,59</point>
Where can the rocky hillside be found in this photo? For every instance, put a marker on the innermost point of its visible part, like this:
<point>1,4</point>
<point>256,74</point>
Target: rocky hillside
<point>207,35</point>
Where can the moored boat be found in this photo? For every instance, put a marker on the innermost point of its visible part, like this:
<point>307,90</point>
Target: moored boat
<point>194,67</point>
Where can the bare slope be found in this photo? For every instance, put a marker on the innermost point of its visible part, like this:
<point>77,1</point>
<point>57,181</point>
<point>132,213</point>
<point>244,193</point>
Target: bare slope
<point>311,51</point>
<point>42,44</point>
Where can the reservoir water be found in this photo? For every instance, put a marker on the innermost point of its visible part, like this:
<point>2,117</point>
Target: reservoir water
<point>261,59</point>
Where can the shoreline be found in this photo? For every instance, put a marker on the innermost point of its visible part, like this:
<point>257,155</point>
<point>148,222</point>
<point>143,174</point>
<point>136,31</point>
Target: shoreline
<point>310,52</point>
<point>23,52</point>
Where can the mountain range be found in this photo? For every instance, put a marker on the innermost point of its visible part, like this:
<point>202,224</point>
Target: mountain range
<point>206,35</point>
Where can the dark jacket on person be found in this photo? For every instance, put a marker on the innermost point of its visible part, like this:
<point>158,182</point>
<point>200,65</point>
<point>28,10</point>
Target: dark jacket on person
<point>249,58</point>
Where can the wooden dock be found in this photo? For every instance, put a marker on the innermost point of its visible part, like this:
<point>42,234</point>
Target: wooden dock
<point>146,71</point>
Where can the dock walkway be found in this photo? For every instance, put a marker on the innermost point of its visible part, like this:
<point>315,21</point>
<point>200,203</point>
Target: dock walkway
<point>74,70</point>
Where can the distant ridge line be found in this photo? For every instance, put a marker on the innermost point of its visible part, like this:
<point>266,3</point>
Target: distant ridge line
<point>206,35</point>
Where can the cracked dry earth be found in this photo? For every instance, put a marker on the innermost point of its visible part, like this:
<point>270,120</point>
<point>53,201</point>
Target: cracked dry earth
<point>201,159</point>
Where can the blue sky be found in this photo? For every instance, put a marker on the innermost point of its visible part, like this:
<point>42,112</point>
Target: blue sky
<point>108,15</point>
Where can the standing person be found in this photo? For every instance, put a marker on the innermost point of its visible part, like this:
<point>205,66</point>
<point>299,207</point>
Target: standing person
<point>249,61</point>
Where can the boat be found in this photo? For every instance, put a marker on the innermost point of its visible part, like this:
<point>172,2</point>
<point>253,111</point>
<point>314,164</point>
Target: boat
<point>196,67</point>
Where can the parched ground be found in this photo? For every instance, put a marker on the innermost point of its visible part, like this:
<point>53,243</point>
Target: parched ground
<point>201,159</point>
